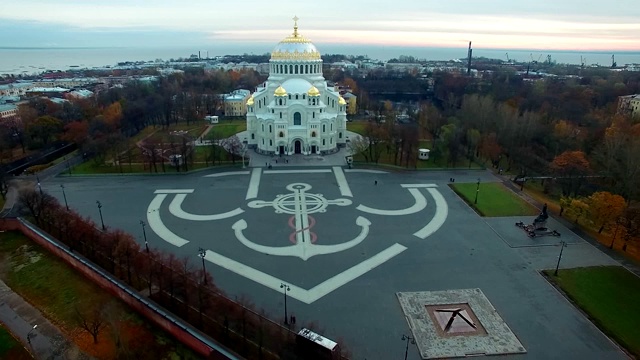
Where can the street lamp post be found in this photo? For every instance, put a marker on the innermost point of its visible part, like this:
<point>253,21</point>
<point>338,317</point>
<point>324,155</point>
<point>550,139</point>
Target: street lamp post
<point>100,211</point>
<point>285,288</point>
<point>477,191</point>
<point>39,186</point>
<point>407,339</point>
<point>202,253</point>
<point>68,166</point>
<point>563,244</point>
<point>615,233</point>
<point>64,195</point>
<point>29,333</point>
<point>144,233</point>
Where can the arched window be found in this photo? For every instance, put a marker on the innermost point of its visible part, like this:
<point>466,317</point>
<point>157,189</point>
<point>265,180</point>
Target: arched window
<point>331,141</point>
<point>313,134</point>
<point>340,135</point>
<point>280,114</point>
<point>270,129</point>
<point>262,127</point>
<point>306,69</point>
<point>281,71</point>
<point>324,128</point>
<point>290,69</point>
<point>253,136</point>
<point>296,69</point>
<point>285,69</point>
<point>279,101</point>
<point>323,142</point>
<point>296,94</point>
<point>297,118</point>
<point>331,127</point>
<point>270,142</point>
<point>281,134</point>
<point>313,114</point>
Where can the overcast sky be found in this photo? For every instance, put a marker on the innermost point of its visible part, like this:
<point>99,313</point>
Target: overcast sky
<point>539,24</point>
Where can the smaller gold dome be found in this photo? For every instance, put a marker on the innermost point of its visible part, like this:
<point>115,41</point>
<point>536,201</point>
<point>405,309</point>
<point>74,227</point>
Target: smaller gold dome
<point>341,101</point>
<point>313,91</point>
<point>280,91</point>
<point>250,101</point>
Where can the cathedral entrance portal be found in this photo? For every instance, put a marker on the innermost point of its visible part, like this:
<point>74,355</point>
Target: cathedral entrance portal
<point>313,149</point>
<point>297,145</point>
<point>281,150</point>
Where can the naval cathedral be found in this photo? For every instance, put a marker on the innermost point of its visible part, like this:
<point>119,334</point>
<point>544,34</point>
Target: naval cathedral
<point>294,111</point>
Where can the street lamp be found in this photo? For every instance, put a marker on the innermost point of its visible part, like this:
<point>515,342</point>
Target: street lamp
<point>39,186</point>
<point>477,191</point>
<point>202,253</point>
<point>407,339</point>
<point>65,196</point>
<point>144,233</point>
<point>563,244</point>
<point>100,211</point>
<point>68,166</point>
<point>285,288</point>
<point>29,333</point>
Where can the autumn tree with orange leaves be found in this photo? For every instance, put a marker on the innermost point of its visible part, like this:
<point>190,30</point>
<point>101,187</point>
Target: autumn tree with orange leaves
<point>570,169</point>
<point>605,208</point>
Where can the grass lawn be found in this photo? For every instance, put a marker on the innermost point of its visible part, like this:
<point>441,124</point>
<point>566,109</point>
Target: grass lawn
<point>357,126</point>
<point>10,348</point>
<point>494,199</point>
<point>225,129</point>
<point>56,290</point>
<point>433,163</point>
<point>609,295</point>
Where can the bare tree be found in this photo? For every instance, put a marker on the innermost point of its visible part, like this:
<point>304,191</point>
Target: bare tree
<point>233,145</point>
<point>92,319</point>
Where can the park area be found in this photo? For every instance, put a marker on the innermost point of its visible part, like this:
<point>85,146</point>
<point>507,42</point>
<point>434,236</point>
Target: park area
<point>66,298</point>
<point>609,296</point>
<point>493,199</point>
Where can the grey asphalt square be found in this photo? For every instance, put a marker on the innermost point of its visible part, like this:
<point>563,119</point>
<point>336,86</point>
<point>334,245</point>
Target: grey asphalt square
<point>516,237</point>
<point>495,338</point>
<point>351,292</point>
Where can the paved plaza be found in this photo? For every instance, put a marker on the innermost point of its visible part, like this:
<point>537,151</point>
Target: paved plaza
<point>347,241</point>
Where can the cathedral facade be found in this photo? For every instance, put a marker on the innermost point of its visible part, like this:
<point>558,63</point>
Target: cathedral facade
<point>294,111</point>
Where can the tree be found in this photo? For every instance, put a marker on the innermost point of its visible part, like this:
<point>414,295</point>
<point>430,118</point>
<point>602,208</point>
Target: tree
<point>359,145</point>
<point>35,201</point>
<point>44,128</point>
<point>91,318</point>
<point>579,208</point>
<point>233,145</point>
<point>604,208</point>
<point>570,168</point>
<point>76,131</point>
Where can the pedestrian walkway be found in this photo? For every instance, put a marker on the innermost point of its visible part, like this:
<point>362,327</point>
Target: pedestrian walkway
<point>629,264</point>
<point>45,341</point>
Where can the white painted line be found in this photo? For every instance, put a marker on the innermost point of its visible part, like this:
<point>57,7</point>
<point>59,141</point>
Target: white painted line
<point>297,171</point>
<point>175,208</point>
<point>419,205</point>
<point>302,249</point>
<point>365,171</point>
<point>156,224</point>
<point>174,191</point>
<point>418,185</point>
<point>318,291</point>
<point>354,272</point>
<point>228,174</point>
<point>254,184</point>
<point>442,211</point>
<point>343,185</point>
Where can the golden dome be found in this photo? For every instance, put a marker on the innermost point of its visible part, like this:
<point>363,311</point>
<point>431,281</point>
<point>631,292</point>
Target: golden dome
<point>295,47</point>
<point>280,91</point>
<point>313,91</point>
<point>250,101</point>
<point>341,101</point>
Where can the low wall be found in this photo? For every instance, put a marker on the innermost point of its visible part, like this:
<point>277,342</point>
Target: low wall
<point>182,331</point>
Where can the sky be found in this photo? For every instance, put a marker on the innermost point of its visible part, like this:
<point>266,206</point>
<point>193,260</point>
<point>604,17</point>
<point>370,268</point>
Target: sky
<point>252,24</point>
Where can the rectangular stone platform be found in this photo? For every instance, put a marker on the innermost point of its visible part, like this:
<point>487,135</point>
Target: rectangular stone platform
<point>474,325</point>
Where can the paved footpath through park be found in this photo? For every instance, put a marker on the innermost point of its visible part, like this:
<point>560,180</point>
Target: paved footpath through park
<point>44,342</point>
